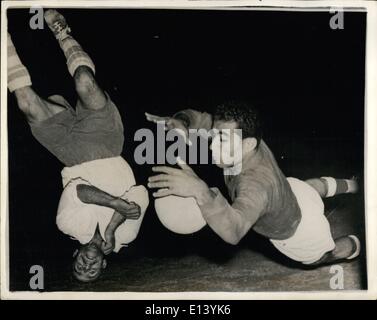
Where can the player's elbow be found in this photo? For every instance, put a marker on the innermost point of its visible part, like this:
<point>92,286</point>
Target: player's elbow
<point>234,241</point>
<point>232,238</point>
<point>235,234</point>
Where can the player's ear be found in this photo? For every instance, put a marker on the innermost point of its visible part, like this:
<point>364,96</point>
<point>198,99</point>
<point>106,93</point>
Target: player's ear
<point>104,263</point>
<point>250,143</point>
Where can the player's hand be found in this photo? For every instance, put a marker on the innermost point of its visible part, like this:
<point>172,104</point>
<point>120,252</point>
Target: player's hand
<point>129,210</point>
<point>180,182</point>
<point>171,124</point>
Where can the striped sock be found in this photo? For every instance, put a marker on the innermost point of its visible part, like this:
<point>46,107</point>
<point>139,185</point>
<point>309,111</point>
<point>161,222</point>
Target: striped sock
<point>75,55</point>
<point>18,76</point>
<point>339,186</point>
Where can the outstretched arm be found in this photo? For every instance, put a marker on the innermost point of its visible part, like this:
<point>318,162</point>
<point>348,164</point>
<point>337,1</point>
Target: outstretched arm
<point>230,221</point>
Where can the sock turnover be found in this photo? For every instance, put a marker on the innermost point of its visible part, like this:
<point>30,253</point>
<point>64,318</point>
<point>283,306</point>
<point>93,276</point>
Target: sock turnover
<point>339,186</point>
<point>75,55</point>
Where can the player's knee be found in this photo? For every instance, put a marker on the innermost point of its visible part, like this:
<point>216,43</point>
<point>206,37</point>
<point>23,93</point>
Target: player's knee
<point>84,80</point>
<point>27,102</point>
<point>324,259</point>
<point>24,105</point>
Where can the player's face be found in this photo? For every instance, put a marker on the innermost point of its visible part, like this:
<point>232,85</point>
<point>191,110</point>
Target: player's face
<point>226,145</point>
<point>89,262</point>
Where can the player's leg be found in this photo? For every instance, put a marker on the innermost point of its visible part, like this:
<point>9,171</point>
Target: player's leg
<point>91,95</point>
<point>30,103</point>
<point>346,248</point>
<point>313,242</point>
<point>329,187</point>
<point>80,65</point>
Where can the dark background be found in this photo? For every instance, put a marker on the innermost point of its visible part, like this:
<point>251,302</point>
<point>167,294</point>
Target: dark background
<point>306,79</point>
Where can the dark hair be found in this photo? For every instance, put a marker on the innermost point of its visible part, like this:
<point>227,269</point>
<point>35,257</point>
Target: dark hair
<point>244,114</point>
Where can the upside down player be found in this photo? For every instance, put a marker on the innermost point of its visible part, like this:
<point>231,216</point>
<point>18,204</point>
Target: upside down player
<point>100,206</point>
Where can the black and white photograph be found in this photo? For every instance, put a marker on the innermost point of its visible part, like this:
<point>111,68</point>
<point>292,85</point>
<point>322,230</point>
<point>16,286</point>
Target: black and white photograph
<point>187,149</point>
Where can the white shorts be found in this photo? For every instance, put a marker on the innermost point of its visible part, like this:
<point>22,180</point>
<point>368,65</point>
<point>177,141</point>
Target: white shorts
<point>312,238</point>
<point>112,175</point>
